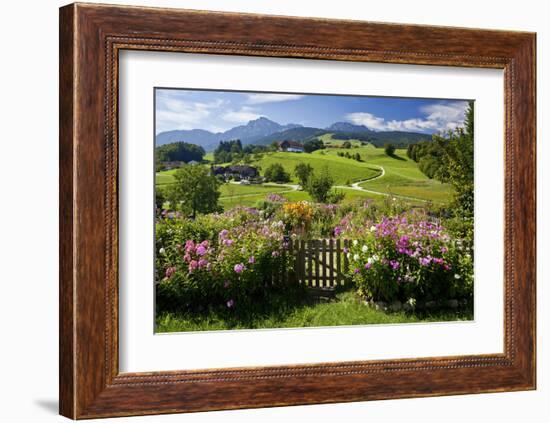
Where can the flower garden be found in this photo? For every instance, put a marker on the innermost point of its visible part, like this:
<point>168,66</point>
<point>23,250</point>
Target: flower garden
<point>222,270</point>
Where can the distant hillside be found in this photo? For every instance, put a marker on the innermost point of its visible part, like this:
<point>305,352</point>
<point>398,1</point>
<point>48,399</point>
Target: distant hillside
<point>348,127</point>
<point>296,134</point>
<point>205,139</point>
<point>378,139</point>
<point>248,134</point>
<point>263,131</point>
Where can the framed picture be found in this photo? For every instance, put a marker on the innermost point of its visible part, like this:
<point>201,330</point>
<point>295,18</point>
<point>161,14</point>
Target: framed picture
<point>262,211</point>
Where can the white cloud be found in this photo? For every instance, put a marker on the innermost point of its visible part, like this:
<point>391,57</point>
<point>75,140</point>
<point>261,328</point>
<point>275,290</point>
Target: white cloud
<point>243,115</point>
<point>368,119</point>
<point>173,112</point>
<point>271,98</point>
<point>439,117</point>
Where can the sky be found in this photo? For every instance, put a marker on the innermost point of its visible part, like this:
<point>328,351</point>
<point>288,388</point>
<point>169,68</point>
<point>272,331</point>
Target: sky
<point>218,111</point>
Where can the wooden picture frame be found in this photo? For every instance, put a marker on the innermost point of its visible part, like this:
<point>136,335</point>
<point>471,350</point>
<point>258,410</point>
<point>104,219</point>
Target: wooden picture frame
<point>91,36</point>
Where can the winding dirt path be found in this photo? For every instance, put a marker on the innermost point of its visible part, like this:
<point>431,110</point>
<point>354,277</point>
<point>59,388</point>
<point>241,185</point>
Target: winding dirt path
<point>357,187</point>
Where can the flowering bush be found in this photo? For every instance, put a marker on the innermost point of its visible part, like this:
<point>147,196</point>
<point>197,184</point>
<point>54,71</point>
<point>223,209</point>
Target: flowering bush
<point>402,259</point>
<point>229,259</point>
<point>230,269</point>
<point>298,216</point>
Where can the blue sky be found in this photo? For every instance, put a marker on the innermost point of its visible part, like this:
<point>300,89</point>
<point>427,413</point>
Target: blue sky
<point>217,111</point>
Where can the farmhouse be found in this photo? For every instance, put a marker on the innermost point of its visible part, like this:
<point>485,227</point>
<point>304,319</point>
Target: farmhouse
<point>291,146</point>
<point>172,164</point>
<point>241,171</point>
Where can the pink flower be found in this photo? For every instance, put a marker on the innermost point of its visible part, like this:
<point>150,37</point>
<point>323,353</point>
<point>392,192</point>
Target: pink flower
<point>189,246</point>
<point>425,261</point>
<point>356,270</point>
<point>169,272</point>
<point>368,266</point>
<point>239,268</point>
<point>202,263</point>
<point>230,303</point>
<point>275,254</point>
<point>226,284</point>
<point>193,265</point>
<point>394,264</point>
<point>228,242</point>
<point>337,230</point>
<point>251,260</point>
<point>201,251</point>
<point>223,233</point>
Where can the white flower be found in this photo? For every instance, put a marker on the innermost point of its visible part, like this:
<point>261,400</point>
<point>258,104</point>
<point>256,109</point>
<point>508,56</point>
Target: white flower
<point>348,255</point>
<point>375,257</point>
<point>457,276</point>
<point>356,257</point>
<point>365,248</point>
<point>370,260</point>
<point>372,228</point>
<point>355,242</point>
<point>162,250</point>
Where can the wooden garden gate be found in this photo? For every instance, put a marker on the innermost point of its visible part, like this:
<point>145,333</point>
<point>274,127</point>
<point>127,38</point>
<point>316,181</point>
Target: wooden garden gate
<point>320,263</point>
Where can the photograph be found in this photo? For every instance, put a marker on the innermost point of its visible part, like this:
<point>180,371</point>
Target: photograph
<point>291,210</point>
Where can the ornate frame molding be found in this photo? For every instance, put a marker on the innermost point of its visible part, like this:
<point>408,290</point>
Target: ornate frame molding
<point>91,37</point>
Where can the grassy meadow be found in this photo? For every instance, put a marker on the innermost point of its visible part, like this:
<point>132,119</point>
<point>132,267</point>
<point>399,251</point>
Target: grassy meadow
<point>347,310</point>
<point>376,176</point>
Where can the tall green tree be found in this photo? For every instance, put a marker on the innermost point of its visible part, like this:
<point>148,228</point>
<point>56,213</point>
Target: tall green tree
<point>319,187</point>
<point>196,190</point>
<point>178,151</point>
<point>303,171</point>
<point>449,158</point>
<point>457,164</point>
<point>389,149</point>
<point>276,173</point>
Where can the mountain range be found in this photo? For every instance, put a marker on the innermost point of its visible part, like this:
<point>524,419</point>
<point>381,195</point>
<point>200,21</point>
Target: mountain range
<point>263,131</point>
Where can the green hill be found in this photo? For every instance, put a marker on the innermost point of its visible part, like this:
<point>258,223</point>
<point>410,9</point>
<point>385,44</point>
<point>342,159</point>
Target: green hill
<point>342,169</point>
<point>401,174</point>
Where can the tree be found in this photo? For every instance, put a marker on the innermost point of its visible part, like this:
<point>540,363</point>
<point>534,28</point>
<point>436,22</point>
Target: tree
<point>449,158</point>
<point>389,149</point>
<point>319,187</point>
<point>179,151</point>
<point>196,190</point>
<point>313,145</point>
<point>410,151</point>
<point>457,164</point>
<point>227,151</point>
<point>346,144</point>
<point>303,172</point>
<point>160,198</point>
<point>276,173</point>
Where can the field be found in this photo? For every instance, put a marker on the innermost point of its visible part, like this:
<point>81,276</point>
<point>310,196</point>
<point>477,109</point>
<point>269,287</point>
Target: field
<point>347,310</point>
<point>377,175</point>
<point>401,175</point>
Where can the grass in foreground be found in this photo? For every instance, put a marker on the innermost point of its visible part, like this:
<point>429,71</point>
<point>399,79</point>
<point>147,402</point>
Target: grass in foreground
<point>346,310</point>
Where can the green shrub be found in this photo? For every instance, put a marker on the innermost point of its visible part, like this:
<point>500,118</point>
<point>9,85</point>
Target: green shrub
<point>276,173</point>
<point>228,261</point>
<point>406,259</point>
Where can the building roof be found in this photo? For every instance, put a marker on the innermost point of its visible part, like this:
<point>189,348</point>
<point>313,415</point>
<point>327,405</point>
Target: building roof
<point>291,143</point>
